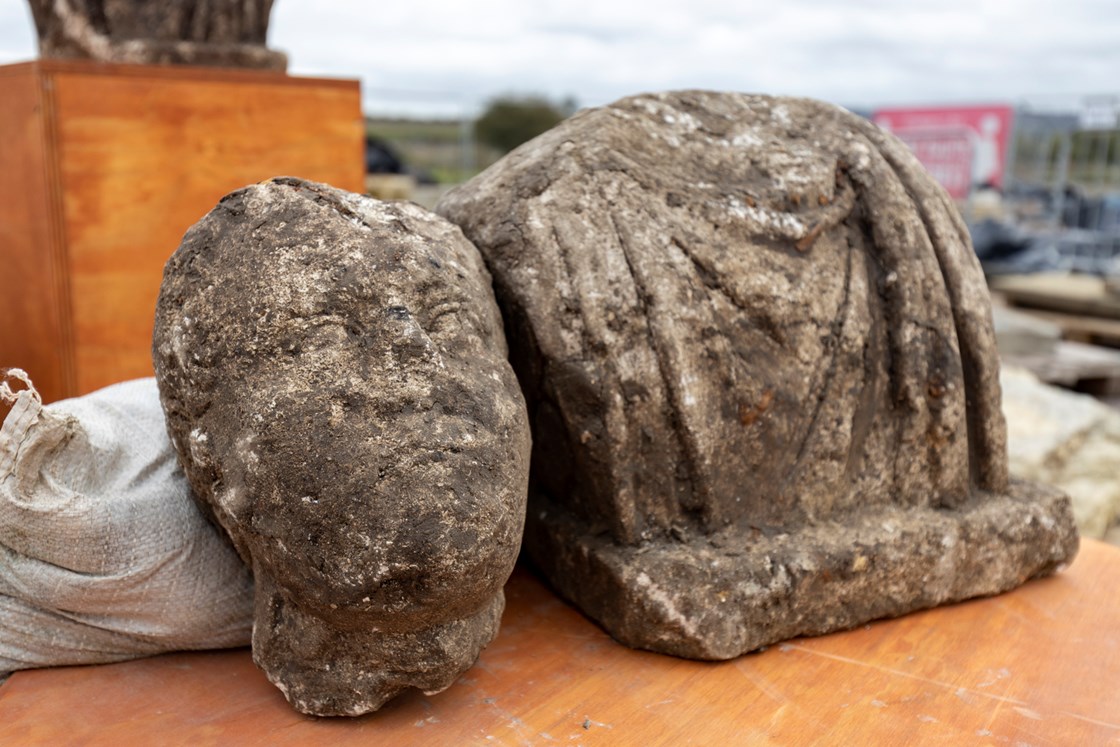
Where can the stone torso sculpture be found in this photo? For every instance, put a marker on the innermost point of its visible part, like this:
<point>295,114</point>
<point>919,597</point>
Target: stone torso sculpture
<point>225,33</point>
<point>757,352</point>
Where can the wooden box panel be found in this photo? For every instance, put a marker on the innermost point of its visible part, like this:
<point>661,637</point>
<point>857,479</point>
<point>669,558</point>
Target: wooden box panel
<point>133,155</point>
<point>34,302</point>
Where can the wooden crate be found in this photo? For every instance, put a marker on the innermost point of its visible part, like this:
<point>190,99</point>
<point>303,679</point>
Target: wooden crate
<point>102,170</point>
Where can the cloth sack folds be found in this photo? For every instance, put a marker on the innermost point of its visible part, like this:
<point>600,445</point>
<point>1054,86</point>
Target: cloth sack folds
<point>103,554</point>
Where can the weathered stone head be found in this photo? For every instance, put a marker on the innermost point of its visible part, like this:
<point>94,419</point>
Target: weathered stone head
<point>222,33</point>
<point>757,352</point>
<point>334,375</point>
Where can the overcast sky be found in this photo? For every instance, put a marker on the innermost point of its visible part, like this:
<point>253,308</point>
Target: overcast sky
<point>449,56</point>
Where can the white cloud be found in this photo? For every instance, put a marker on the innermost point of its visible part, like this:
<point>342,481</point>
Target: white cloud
<point>17,35</point>
<point>443,56</point>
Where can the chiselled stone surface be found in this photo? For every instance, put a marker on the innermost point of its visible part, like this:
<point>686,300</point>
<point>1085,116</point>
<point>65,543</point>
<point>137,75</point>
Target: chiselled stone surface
<point>758,356</point>
<point>223,33</point>
<point>335,379</point>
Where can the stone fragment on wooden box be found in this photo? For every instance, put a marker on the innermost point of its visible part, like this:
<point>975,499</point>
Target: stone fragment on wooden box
<point>216,33</point>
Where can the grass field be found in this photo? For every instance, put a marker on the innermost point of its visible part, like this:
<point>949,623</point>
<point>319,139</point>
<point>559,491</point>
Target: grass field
<point>434,146</point>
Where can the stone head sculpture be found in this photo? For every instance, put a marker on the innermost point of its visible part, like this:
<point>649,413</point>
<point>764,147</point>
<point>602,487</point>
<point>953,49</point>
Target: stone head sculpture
<point>334,375</point>
<point>757,352</point>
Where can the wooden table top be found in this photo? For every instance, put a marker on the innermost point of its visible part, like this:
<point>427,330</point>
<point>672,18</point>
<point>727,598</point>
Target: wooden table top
<point>1039,666</point>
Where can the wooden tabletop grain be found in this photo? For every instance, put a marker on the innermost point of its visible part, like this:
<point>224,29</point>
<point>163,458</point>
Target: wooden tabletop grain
<point>1037,666</point>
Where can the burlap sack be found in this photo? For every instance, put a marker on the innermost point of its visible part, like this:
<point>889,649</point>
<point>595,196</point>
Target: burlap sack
<point>103,554</point>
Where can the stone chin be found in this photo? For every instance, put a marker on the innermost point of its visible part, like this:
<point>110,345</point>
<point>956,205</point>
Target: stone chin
<point>326,669</point>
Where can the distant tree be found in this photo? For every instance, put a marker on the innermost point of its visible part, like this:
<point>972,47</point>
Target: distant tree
<point>510,121</point>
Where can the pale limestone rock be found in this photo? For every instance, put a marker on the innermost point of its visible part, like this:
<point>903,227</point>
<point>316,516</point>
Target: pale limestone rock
<point>1066,439</point>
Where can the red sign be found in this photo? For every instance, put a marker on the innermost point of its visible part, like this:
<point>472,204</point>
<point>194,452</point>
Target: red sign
<point>963,147</point>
